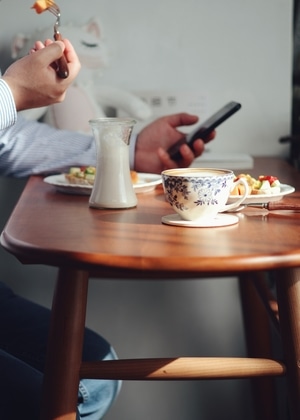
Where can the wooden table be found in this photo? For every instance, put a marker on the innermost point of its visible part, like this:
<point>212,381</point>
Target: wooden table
<point>47,227</point>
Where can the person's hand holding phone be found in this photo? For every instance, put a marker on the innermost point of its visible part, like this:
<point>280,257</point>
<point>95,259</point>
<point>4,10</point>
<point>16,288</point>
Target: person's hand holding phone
<point>204,131</point>
<point>157,137</point>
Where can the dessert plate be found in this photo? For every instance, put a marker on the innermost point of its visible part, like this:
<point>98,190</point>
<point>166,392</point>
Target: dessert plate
<point>220,220</point>
<point>264,198</point>
<point>146,182</point>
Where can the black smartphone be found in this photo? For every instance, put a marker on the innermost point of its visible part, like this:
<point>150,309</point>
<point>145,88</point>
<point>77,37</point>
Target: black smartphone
<point>203,130</point>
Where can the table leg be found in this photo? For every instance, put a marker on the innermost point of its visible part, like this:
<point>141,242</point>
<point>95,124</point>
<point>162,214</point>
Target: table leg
<point>258,339</point>
<point>64,352</point>
<point>288,294</point>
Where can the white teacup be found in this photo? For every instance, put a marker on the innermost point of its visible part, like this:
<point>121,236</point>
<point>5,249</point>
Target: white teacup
<point>200,193</point>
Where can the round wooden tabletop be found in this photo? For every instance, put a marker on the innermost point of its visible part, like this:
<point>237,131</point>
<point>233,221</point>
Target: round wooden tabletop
<point>48,227</point>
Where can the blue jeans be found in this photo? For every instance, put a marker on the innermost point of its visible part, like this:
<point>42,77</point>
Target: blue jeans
<point>23,340</point>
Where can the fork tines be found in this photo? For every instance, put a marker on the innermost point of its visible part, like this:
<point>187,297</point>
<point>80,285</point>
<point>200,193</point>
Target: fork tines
<point>54,9</point>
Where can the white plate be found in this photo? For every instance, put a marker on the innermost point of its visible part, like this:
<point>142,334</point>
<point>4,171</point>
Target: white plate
<point>146,183</point>
<point>264,198</point>
<point>218,221</point>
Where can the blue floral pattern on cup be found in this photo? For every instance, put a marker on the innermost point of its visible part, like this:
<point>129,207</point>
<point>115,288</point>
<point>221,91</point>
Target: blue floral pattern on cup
<point>178,189</point>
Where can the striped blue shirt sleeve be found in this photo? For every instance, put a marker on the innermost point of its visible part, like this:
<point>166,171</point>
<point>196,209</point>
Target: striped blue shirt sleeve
<point>8,113</point>
<point>31,147</point>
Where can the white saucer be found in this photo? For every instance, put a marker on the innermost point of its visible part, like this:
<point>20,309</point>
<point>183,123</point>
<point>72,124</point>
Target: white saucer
<point>220,220</point>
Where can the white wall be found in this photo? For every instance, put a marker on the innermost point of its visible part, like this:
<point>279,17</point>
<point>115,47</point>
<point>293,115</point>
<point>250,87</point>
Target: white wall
<point>226,50</point>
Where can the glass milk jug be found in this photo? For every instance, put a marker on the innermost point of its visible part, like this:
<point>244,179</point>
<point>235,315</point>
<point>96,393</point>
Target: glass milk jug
<point>113,187</point>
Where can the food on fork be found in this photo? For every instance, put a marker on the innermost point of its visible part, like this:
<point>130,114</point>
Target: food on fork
<point>264,184</point>
<point>85,175</point>
<point>41,5</point>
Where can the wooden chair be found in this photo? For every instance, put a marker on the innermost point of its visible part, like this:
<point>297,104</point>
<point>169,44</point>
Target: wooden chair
<point>260,312</point>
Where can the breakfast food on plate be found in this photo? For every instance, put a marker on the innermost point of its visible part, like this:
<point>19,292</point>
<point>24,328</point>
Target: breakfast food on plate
<point>85,175</point>
<point>267,184</point>
<point>264,184</point>
<point>41,5</point>
<point>134,177</point>
<point>239,189</point>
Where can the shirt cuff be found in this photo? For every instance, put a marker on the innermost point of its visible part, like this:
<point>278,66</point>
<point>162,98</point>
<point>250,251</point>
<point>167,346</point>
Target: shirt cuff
<point>132,144</point>
<point>8,112</point>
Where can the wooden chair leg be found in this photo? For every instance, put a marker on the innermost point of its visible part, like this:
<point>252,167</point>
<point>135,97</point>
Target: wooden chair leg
<point>64,352</point>
<point>288,291</point>
<point>259,344</point>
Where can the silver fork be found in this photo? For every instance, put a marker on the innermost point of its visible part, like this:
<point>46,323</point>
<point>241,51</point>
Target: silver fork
<point>62,66</point>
